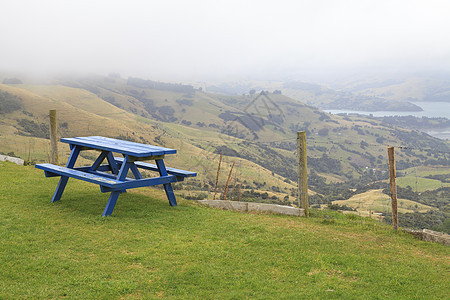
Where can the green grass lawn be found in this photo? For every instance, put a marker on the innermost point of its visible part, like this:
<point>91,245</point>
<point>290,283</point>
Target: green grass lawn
<point>148,249</point>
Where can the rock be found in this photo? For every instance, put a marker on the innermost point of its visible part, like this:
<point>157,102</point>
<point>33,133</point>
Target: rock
<point>16,160</point>
<point>251,206</point>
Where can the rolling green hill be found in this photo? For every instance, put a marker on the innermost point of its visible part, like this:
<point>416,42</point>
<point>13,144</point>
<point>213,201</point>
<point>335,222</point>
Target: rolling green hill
<point>257,132</point>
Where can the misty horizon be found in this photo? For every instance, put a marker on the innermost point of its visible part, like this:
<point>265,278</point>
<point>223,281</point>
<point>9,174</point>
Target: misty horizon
<point>200,40</point>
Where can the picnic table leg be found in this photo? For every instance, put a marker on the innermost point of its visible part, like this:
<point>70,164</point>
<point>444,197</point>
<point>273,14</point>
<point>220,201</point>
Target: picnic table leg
<point>167,187</point>
<point>112,163</point>
<point>115,195</point>
<point>99,160</point>
<point>63,180</point>
<point>60,188</point>
<point>111,203</point>
<point>114,166</point>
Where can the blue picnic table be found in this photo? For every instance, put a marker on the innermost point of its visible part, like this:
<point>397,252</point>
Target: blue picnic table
<point>112,176</point>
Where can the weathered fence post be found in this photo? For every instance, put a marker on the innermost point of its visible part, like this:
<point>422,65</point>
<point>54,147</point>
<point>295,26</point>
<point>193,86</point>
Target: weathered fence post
<point>217,176</point>
<point>53,138</point>
<point>239,192</point>
<point>302,172</point>
<point>393,187</point>
<point>225,192</point>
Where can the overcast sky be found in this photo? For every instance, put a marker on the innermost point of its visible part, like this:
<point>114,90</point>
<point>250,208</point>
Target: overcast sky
<point>185,40</point>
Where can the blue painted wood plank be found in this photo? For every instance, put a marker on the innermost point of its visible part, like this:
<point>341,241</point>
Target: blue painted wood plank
<point>167,187</point>
<point>99,160</point>
<point>102,168</point>
<point>73,157</point>
<point>112,163</point>
<point>98,178</point>
<point>132,184</point>
<point>135,171</point>
<point>119,146</point>
<point>111,204</point>
<point>153,167</point>
<point>170,195</point>
<point>99,172</point>
<point>114,147</point>
<point>124,169</point>
<point>63,180</point>
<point>66,172</point>
<point>130,144</point>
<point>121,143</point>
<point>60,188</point>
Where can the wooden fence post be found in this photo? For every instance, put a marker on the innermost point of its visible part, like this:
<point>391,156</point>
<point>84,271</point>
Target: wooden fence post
<point>53,138</point>
<point>393,185</point>
<point>225,192</point>
<point>302,172</point>
<point>239,192</point>
<point>217,176</point>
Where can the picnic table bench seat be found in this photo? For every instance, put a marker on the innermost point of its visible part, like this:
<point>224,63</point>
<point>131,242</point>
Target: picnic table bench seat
<point>54,170</point>
<point>106,181</point>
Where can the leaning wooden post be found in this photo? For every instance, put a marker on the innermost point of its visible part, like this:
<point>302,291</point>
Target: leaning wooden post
<point>217,176</point>
<point>302,172</point>
<point>53,138</point>
<point>393,187</point>
<point>225,192</point>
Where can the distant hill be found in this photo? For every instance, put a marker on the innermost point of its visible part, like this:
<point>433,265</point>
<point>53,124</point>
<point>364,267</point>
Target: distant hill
<point>327,98</point>
<point>362,92</point>
<point>410,88</point>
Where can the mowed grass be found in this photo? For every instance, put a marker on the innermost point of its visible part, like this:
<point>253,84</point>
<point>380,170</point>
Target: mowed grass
<point>148,249</point>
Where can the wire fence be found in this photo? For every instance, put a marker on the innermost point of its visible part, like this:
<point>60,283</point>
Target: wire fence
<point>101,127</point>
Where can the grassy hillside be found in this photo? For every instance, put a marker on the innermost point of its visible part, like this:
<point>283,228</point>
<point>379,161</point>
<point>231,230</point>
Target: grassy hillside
<point>82,113</point>
<point>272,117</point>
<point>148,249</point>
<point>256,132</point>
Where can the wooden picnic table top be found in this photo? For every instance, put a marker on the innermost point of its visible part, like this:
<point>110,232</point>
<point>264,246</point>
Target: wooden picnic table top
<point>119,146</point>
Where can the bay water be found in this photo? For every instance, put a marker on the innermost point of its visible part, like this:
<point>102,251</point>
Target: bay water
<point>430,110</point>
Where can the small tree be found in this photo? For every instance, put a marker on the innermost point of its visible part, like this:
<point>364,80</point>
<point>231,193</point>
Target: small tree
<point>323,132</point>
